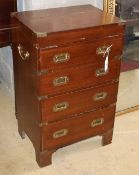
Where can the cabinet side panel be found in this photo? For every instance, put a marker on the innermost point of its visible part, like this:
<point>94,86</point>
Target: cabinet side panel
<point>27,106</point>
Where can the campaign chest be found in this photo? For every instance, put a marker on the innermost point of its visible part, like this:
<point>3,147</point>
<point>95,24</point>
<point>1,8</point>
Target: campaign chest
<point>66,71</point>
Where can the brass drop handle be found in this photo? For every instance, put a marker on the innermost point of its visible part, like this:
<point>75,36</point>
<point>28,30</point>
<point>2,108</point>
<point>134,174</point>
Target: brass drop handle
<point>60,81</point>
<point>60,133</point>
<point>97,122</point>
<point>100,72</point>
<point>60,106</point>
<point>23,54</point>
<point>100,96</point>
<point>103,50</point>
<point>61,58</point>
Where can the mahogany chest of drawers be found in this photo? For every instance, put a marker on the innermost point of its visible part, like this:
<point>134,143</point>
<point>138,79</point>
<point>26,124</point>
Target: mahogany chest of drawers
<point>66,70</point>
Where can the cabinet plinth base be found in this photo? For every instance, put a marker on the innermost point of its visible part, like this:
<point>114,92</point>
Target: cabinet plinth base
<point>107,137</point>
<point>44,158</point>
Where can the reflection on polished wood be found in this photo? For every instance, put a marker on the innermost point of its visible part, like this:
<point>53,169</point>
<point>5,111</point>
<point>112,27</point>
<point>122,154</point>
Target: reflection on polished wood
<point>109,6</point>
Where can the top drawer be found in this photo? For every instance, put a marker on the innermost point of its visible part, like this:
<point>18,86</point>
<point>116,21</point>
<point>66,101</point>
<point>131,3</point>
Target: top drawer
<point>79,54</point>
<point>82,34</point>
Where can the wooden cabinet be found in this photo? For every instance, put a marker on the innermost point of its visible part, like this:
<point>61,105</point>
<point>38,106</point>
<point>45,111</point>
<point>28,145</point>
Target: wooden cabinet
<point>6,7</point>
<point>66,68</point>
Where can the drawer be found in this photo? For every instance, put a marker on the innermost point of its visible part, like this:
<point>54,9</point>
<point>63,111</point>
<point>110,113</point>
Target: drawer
<point>76,78</point>
<point>79,54</point>
<point>76,36</point>
<point>66,105</point>
<point>71,130</point>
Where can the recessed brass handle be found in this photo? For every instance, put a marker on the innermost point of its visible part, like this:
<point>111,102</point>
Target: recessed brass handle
<point>60,133</point>
<point>23,54</point>
<point>100,96</point>
<point>60,81</point>
<point>100,72</point>
<point>97,122</point>
<point>103,50</point>
<point>60,106</point>
<point>60,58</point>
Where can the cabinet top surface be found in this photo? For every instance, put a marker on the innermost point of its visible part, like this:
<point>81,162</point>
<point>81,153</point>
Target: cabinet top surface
<point>65,19</point>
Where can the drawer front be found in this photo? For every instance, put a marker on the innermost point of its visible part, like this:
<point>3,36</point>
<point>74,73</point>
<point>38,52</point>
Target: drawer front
<point>77,36</point>
<point>80,54</point>
<point>77,78</point>
<point>71,130</point>
<point>66,105</point>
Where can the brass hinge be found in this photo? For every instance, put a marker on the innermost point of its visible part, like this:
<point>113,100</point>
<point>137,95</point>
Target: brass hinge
<point>36,46</point>
<point>122,22</point>
<point>41,34</point>
<point>42,72</point>
<point>51,47</point>
<point>42,98</point>
<point>113,104</point>
<point>42,124</point>
<point>115,80</point>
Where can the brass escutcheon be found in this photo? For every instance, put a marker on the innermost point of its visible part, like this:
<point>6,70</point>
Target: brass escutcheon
<point>60,106</point>
<point>60,58</point>
<point>97,122</point>
<point>100,96</point>
<point>60,81</point>
<point>60,133</point>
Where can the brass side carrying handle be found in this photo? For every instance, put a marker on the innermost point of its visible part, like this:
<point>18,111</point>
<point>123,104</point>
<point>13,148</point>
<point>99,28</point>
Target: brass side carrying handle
<point>60,133</point>
<point>23,54</point>
<point>60,106</point>
<point>97,122</point>
<point>60,81</point>
<point>60,58</point>
<point>100,96</point>
<point>100,72</point>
